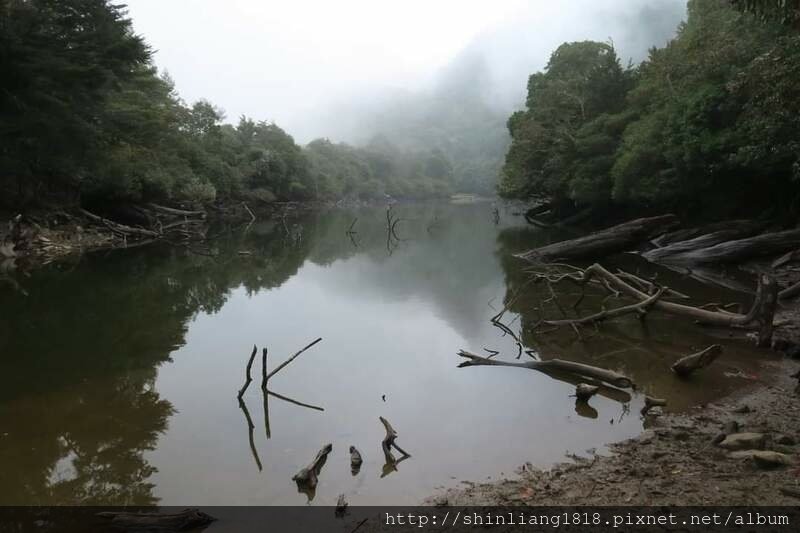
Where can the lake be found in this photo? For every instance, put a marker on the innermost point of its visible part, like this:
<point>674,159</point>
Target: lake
<point>120,369</point>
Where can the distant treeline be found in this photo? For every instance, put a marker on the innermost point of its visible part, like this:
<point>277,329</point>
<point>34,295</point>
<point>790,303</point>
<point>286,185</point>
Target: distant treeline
<point>85,116</point>
<point>709,124</point>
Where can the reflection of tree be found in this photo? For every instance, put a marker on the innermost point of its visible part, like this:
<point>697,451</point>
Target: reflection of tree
<point>78,409</point>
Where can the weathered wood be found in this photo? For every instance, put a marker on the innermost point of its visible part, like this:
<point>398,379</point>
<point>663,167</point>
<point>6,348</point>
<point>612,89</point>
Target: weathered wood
<point>641,307</point>
<point>308,477</point>
<point>250,429</point>
<point>703,316</point>
<point>186,520</point>
<point>686,365</point>
<point>737,250</point>
<point>355,460</point>
<point>247,377</point>
<point>292,358</point>
<point>386,445</point>
<point>786,258</point>
<point>120,229</point>
<point>584,391</point>
<point>618,238</point>
<point>736,229</point>
<point>176,212</point>
<point>553,365</point>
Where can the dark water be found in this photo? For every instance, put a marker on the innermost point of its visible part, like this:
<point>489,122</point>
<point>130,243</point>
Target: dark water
<point>119,372</point>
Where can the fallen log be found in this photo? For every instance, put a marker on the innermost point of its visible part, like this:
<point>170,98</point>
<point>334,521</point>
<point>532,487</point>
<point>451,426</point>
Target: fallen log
<point>737,250</point>
<point>176,212</point>
<point>736,229</point>
<point>618,238</point>
<point>686,365</point>
<point>186,520</point>
<point>553,365</point>
<point>308,477</point>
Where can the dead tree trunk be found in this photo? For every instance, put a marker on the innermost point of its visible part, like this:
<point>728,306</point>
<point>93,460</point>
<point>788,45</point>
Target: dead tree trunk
<point>608,241</point>
<point>554,365</point>
<point>729,251</point>
<point>386,445</point>
<point>686,365</point>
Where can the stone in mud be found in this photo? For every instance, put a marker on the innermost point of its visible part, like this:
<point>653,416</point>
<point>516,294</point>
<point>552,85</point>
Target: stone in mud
<point>763,458</point>
<point>743,441</point>
<point>786,440</point>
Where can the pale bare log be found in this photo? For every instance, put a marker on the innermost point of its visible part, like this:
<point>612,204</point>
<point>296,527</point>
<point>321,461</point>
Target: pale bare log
<point>553,365</point>
<point>618,238</point>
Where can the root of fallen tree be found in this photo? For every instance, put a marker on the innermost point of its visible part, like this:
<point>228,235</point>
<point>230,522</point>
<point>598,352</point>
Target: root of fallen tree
<point>308,477</point>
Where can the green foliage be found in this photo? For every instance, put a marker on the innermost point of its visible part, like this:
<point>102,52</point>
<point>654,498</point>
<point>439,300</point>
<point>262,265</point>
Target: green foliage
<point>707,123</point>
<point>85,115</point>
<point>377,170</point>
<point>563,144</point>
<point>783,11</point>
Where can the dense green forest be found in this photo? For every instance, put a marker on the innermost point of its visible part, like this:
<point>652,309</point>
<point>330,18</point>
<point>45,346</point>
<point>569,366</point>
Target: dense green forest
<point>85,116</point>
<point>709,124</point>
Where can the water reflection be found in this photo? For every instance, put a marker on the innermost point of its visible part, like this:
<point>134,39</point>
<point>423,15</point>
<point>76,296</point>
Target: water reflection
<point>119,373</point>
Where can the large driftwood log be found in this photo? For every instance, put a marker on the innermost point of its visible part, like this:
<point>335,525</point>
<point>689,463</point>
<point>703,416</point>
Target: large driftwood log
<point>686,365</point>
<point>675,251</point>
<point>186,520</point>
<point>554,365</point>
<point>789,292</point>
<point>608,241</point>
<point>176,212</point>
<point>730,251</point>
<point>735,229</point>
<point>308,477</point>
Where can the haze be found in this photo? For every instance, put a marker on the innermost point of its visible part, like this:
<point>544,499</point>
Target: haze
<point>331,69</point>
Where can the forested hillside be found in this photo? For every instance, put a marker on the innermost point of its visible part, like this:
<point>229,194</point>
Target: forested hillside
<point>709,124</point>
<point>86,117</point>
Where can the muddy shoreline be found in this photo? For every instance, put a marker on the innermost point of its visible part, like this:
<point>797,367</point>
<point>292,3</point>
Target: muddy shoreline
<point>675,460</point>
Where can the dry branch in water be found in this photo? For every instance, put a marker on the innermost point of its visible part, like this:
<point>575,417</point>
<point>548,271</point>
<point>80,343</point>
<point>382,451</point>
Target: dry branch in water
<point>248,379</point>
<point>686,365</point>
<point>554,365</point>
<point>292,358</point>
<point>760,316</point>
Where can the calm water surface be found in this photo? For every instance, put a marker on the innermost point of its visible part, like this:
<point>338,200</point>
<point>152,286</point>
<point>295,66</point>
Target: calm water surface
<point>119,372</point>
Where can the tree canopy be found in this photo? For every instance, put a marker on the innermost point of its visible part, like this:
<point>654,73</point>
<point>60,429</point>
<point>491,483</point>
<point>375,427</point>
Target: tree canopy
<point>707,123</point>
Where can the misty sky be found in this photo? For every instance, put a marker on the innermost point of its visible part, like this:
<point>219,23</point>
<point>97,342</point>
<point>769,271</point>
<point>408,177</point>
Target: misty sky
<point>301,62</point>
